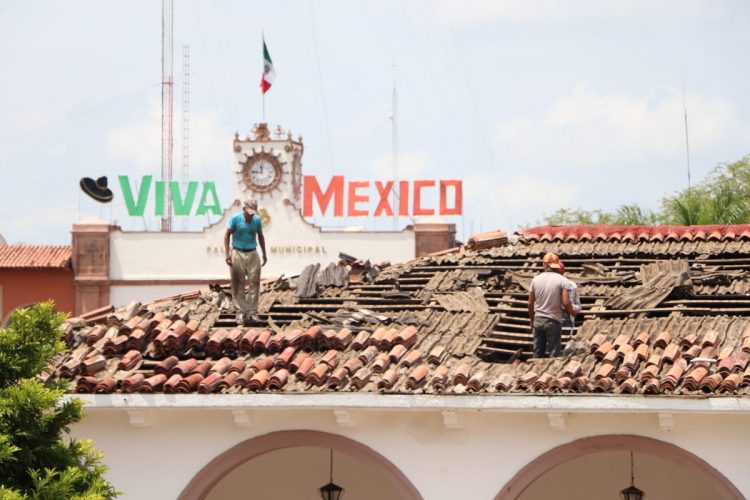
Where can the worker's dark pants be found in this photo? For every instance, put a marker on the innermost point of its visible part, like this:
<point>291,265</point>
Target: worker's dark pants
<point>547,333</point>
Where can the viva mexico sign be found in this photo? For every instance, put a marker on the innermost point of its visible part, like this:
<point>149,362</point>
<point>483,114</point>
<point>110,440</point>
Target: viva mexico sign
<point>359,197</point>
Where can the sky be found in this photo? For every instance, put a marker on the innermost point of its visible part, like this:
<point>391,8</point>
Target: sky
<point>535,105</point>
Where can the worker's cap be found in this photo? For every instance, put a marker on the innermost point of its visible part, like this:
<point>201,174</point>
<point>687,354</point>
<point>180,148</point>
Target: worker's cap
<point>551,260</point>
<point>250,206</point>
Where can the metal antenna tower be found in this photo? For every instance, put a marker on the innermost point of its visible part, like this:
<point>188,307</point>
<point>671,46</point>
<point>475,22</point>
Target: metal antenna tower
<point>185,141</point>
<point>167,86</point>
<point>687,151</point>
<point>687,140</point>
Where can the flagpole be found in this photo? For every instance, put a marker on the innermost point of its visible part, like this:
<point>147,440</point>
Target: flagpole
<point>262,93</point>
<point>268,75</point>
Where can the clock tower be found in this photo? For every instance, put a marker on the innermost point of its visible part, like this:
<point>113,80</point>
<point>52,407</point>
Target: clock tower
<point>268,168</point>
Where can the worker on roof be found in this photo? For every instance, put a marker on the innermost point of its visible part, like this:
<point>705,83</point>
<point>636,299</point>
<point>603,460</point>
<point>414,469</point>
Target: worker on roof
<point>549,294</point>
<point>568,321</point>
<point>244,229</point>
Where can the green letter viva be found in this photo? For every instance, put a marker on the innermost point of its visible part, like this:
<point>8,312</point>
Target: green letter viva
<point>209,188</point>
<point>182,207</point>
<point>135,208</point>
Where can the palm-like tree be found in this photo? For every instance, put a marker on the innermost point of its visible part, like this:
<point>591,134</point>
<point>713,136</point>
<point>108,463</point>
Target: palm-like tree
<point>722,198</point>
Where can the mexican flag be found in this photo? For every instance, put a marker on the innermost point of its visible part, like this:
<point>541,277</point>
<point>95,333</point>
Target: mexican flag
<point>269,75</point>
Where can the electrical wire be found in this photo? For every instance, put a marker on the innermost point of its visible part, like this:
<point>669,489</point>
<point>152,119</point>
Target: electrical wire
<point>227,66</point>
<point>326,127</point>
<point>217,104</point>
<point>82,112</point>
<point>461,49</point>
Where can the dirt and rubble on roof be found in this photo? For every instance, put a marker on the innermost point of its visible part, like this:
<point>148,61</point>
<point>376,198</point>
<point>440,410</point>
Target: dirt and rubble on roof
<point>666,311</point>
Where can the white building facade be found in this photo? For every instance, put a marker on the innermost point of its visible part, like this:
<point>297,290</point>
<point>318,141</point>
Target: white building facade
<point>432,447</point>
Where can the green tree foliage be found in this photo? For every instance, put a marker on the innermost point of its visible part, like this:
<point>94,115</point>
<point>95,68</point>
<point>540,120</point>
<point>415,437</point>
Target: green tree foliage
<point>567,216</point>
<point>626,215</point>
<point>634,215</point>
<point>36,461</point>
<point>723,197</point>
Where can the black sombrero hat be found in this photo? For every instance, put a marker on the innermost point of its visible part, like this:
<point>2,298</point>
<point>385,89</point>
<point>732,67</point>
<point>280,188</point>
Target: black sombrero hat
<point>97,189</point>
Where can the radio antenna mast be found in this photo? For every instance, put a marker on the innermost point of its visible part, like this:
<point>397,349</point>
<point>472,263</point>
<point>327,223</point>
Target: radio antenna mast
<point>167,85</point>
<point>185,140</point>
<point>687,140</point>
<point>687,151</point>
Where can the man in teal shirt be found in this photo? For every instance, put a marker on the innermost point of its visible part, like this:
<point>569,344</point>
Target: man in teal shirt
<point>243,229</point>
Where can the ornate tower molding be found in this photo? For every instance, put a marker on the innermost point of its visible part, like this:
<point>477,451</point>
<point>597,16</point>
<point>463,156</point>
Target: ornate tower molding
<point>91,265</point>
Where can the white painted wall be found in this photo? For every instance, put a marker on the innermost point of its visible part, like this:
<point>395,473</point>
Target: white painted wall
<point>167,256</point>
<point>494,443</point>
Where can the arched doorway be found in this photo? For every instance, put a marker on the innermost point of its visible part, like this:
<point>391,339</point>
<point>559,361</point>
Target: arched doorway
<point>604,462</point>
<point>307,449</point>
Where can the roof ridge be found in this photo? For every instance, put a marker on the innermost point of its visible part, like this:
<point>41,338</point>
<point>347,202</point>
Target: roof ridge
<point>608,232</point>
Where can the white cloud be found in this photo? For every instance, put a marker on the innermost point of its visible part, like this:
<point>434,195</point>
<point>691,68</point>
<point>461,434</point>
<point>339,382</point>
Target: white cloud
<point>139,144</point>
<point>411,165</point>
<point>481,11</point>
<point>22,226</point>
<point>509,131</point>
<point>210,143</point>
<point>365,125</point>
<point>36,119</point>
<point>592,129</point>
<point>489,11</point>
<point>515,198</point>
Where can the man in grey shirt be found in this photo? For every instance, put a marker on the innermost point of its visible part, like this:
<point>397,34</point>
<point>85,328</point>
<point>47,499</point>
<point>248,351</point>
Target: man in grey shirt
<point>548,295</point>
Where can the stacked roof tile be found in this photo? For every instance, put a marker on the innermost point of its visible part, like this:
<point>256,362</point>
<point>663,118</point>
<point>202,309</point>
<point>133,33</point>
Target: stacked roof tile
<point>671,321</point>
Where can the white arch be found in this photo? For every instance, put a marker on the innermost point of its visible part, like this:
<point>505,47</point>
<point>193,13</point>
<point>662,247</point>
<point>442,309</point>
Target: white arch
<point>547,461</point>
<point>223,464</point>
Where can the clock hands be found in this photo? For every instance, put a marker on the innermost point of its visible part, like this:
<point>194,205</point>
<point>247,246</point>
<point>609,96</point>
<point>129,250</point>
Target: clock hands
<point>262,174</point>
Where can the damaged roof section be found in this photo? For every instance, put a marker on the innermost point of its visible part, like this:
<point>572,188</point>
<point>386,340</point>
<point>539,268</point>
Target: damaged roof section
<point>668,319</point>
<point>658,281</point>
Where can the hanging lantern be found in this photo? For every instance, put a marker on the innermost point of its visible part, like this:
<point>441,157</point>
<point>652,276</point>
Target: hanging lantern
<point>331,491</point>
<point>631,492</point>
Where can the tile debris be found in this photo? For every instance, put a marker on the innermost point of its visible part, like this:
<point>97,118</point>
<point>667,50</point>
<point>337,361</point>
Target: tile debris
<point>665,311</point>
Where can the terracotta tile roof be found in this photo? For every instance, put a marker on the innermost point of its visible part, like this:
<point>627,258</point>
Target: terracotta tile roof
<point>35,256</point>
<point>671,321</point>
<point>637,233</point>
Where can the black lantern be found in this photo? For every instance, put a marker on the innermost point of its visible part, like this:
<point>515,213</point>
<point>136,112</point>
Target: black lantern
<point>331,491</point>
<point>631,492</point>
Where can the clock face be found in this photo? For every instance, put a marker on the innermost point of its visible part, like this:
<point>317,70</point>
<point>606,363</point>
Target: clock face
<point>262,172</point>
